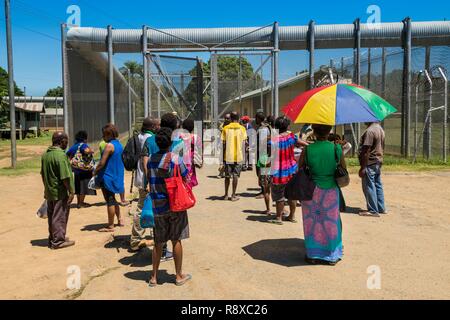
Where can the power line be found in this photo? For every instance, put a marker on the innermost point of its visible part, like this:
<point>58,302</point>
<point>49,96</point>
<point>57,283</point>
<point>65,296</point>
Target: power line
<point>107,14</point>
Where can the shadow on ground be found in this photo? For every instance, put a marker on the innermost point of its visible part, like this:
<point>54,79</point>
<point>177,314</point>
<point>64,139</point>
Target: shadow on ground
<point>163,276</point>
<point>119,242</point>
<point>352,210</point>
<point>39,242</point>
<point>285,252</point>
<point>142,258</point>
<point>94,227</point>
<point>254,211</point>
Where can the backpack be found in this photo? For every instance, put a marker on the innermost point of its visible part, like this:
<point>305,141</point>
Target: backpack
<point>131,153</point>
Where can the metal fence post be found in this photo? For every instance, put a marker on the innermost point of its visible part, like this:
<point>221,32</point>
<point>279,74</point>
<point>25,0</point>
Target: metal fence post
<point>427,116</point>
<point>444,126</point>
<point>64,82</point>
<point>215,91</point>
<point>369,68</point>
<point>311,41</point>
<point>110,76</point>
<point>12,98</point>
<point>145,67</point>
<point>406,94</point>
<point>276,52</point>
<point>429,105</point>
<point>130,121</point>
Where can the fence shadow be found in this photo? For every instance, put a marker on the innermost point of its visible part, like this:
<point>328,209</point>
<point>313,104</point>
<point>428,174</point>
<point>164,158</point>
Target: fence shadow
<point>284,252</point>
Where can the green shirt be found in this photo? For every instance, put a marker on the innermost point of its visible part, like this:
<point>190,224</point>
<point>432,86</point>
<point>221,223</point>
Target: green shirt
<point>102,146</point>
<point>322,163</point>
<point>55,167</point>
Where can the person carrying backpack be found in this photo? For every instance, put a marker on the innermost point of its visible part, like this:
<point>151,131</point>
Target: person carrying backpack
<point>146,147</point>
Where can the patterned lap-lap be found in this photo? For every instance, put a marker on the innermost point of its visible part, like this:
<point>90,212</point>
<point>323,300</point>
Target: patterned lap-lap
<point>322,225</point>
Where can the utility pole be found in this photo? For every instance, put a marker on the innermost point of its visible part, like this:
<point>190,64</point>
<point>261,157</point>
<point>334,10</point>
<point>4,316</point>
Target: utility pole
<point>12,99</point>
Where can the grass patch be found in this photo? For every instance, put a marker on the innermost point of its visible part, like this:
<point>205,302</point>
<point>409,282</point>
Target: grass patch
<point>393,163</point>
<point>23,167</point>
<point>45,140</point>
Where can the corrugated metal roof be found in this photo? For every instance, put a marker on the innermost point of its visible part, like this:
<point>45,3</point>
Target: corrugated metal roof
<point>30,106</point>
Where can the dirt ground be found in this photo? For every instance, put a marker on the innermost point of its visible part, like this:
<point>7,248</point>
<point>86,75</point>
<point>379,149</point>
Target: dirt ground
<point>233,253</point>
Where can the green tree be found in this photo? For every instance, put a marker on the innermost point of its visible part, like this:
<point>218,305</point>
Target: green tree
<point>4,105</point>
<point>55,92</point>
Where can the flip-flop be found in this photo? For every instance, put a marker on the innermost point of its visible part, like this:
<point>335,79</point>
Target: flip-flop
<point>368,214</point>
<point>275,221</point>
<point>152,284</point>
<point>186,279</point>
<point>106,230</point>
<point>234,199</point>
<point>291,221</point>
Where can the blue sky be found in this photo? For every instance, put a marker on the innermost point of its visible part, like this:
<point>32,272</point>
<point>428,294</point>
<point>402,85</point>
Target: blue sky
<point>36,30</point>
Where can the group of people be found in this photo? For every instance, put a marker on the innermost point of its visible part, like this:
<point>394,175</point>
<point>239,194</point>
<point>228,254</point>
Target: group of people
<point>161,149</point>
<point>279,154</point>
<point>166,144</point>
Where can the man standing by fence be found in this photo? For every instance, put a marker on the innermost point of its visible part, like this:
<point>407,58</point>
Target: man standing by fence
<point>371,159</point>
<point>234,136</point>
<point>59,190</point>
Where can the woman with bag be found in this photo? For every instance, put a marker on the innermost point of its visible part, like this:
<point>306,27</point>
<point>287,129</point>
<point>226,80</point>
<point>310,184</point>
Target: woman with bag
<point>283,168</point>
<point>321,217</point>
<point>82,162</point>
<point>165,169</point>
<point>110,174</point>
<point>192,157</point>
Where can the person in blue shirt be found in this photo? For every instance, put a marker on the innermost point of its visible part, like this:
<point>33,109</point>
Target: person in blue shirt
<point>110,173</point>
<point>82,177</point>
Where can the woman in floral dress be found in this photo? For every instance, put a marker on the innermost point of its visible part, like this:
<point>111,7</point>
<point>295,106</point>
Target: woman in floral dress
<point>321,217</point>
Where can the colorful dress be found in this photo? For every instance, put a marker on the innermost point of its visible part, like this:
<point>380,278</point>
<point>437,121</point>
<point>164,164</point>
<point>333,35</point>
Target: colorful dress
<point>321,218</point>
<point>284,165</point>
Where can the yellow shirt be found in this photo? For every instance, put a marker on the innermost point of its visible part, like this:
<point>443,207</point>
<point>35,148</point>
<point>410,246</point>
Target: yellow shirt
<point>234,135</point>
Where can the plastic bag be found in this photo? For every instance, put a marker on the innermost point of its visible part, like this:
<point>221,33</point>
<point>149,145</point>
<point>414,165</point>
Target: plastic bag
<point>147,218</point>
<point>42,211</point>
<point>93,184</point>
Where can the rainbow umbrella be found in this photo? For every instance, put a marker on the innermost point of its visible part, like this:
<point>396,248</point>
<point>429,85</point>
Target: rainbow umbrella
<point>338,104</point>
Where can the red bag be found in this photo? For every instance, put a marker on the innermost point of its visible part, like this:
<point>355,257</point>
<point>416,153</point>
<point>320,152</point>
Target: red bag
<point>181,197</point>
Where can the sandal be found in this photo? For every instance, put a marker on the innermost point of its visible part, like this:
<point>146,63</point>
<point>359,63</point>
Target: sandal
<point>290,220</point>
<point>106,229</point>
<point>275,221</point>
<point>234,199</point>
<point>186,279</point>
<point>369,214</point>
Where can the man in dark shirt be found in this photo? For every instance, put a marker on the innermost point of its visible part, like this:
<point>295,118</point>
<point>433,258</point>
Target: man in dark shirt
<point>371,160</point>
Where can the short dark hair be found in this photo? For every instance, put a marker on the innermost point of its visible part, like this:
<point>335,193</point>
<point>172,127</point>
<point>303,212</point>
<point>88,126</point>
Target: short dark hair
<point>260,116</point>
<point>321,130</point>
<point>271,120</point>
<point>110,130</point>
<point>81,136</point>
<point>148,124</point>
<point>164,138</point>
<point>234,116</point>
<point>170,121</point>
<point>188,124</point>
<point>282,124</point>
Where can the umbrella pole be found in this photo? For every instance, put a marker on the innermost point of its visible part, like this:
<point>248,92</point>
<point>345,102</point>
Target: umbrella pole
<point>354,137</point>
